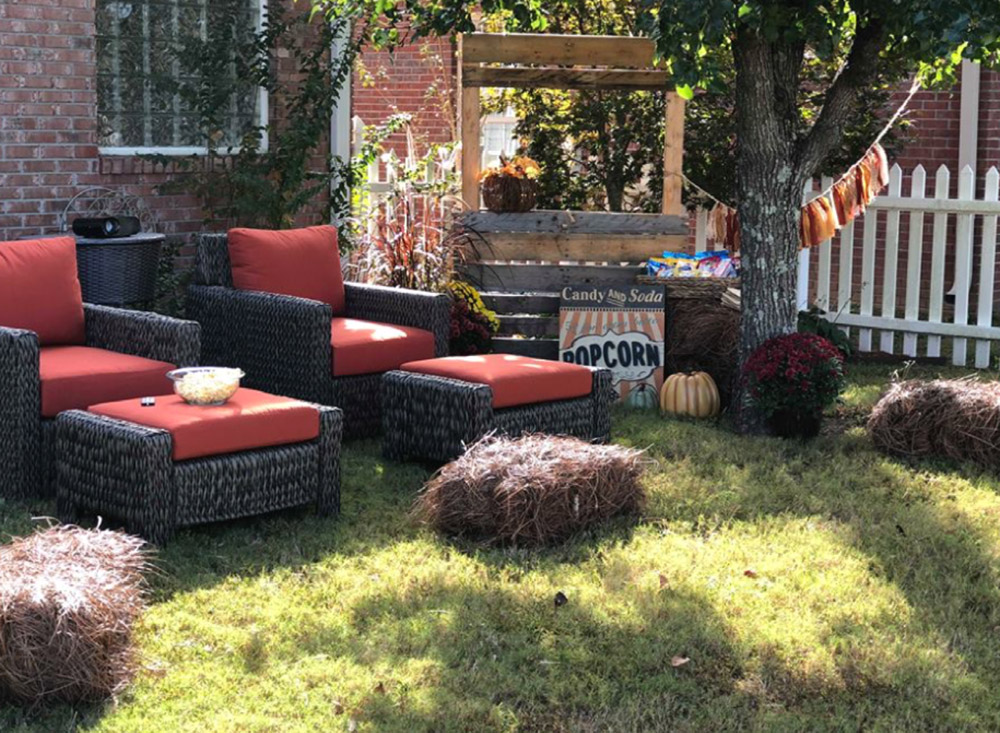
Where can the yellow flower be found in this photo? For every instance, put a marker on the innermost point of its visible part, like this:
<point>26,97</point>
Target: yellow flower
<point>518,167</point>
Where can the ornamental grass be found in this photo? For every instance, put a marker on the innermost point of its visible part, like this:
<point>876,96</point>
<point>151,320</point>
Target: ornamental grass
<point>68,599</point>
<point>531,491</point>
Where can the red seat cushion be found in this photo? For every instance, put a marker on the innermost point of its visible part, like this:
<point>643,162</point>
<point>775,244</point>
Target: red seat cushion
<point>367,347</point>
<point>40,289</point>
<point>74,377</point>
<point>515,380</point>
<point>249,420</point>
<point>300,262</point>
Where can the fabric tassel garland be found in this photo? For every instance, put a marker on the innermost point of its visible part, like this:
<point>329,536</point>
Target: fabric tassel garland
<point>851,195</point>
<point>724,227</point>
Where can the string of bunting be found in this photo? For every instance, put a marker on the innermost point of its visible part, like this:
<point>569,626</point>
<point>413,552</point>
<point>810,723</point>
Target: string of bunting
<point>846,199</point>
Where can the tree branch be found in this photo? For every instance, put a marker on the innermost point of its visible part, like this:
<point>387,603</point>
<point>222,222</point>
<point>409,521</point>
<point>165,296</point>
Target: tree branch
<point>859,71</point>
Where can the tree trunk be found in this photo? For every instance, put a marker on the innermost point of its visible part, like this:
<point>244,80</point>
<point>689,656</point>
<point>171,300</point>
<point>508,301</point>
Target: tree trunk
<point>770,193</point>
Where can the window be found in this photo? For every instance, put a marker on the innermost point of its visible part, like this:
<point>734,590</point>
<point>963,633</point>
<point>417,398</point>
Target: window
<point>498,137</point>
<point>150,56</point>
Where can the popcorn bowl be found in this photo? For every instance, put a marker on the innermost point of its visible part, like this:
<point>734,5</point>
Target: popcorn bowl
<point>206,386</point>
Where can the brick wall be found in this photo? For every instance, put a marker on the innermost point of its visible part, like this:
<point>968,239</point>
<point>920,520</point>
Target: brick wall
<point>48,125</point>
<point>419,79</point>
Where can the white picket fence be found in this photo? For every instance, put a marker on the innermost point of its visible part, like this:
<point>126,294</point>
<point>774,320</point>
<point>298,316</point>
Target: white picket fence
<point>381,190</point>
<point>920,313</point>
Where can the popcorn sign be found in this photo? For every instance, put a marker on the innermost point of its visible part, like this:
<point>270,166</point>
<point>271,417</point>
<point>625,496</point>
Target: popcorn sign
<point>621,329</point>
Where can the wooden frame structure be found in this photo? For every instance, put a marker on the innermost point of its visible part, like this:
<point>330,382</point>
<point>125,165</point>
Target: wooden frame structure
<point>528,60</point>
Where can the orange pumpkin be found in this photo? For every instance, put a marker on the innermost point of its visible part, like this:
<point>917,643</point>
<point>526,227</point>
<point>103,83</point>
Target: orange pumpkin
<point>693,394</point>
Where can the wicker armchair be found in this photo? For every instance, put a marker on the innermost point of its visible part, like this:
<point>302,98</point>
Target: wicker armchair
<point>26,438</point>
<point>283,343</point>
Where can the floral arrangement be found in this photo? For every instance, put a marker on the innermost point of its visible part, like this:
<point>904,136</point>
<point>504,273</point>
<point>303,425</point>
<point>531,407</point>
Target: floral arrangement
<point>464,291</point>
<point>519,166</point>
<point>800,372</point>
<point>472,323</point>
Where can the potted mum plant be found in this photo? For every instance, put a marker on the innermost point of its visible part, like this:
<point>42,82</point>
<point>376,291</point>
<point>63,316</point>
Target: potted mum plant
<point>472,323</point>
<point>511,186</point>
<point>791,379</point>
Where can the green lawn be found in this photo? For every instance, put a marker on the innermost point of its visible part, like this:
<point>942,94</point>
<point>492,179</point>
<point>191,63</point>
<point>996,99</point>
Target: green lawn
<point>815,588</point>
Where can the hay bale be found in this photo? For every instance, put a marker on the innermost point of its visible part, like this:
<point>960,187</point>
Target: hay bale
<point>533,490</point>
<point>704,335</point>
<point>957,419</point>
<point>68,599</point>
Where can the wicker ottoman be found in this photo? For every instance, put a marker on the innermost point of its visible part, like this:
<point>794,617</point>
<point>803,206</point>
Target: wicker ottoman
<point>433,409</point>
<point>175,465</point>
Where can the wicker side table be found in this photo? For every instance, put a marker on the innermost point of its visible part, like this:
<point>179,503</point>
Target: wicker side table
<point>119,270</point>
<point>125,470</point>
<point>435,418</point>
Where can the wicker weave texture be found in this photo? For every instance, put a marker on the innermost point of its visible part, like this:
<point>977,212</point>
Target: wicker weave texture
<point>120,271</point>
<point>123,470</point>
<point>282,343</point>
<point>27,445</point>
<point>435,418</point>
<point>20,414</point>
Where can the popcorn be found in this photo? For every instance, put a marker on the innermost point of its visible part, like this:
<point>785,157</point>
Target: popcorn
<point>206,386</point>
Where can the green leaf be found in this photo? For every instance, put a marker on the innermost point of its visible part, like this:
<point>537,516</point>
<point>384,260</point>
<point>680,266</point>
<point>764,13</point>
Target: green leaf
<point>684,91</point>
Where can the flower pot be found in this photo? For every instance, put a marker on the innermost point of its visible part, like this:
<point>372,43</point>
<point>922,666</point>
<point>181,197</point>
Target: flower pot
<point>503,194</point>
<point>794,424</point>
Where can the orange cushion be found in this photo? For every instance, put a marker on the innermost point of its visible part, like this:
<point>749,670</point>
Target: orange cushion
<point>515,380</point>
<point>249,420</point>
<point>300,262</point>
<point>74,377</point>
<point>40,289</point>
<point>366,347</point>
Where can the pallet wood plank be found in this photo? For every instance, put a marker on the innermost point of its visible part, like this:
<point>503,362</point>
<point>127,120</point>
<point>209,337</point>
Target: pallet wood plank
<point>572,247</point>
<point>914,260</point>
<point>528,325</point>
<point>555,77</point>
<point>471,154</point>
<point>565,50</point>
<point>540,303</point>
<point>537,348</point>
<point>580,222</point>
<point>532,278</point>
<point>673,155</point>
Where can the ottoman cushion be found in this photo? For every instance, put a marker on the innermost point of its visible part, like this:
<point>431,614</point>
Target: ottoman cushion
<point>74,377</point>
<point>367,347</point>
<point>514,380</point>
<point>250,420</point>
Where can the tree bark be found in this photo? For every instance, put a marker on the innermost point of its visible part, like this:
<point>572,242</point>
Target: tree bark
<point>770,185</point>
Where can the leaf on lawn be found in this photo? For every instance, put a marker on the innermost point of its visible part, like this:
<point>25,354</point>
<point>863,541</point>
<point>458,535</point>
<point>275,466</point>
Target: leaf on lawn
<point>679,661</point>
<point>663,581</point>
<point>338,707</point>
<point>750,573</point>
<point>380,688</point>
<point>560,599</point>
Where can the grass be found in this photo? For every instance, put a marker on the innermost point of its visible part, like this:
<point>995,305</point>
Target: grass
<point>819,587</point>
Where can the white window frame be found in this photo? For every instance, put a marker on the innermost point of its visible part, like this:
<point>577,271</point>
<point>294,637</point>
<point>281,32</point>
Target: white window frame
<point>182,150</point>
<point>508,118</point>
